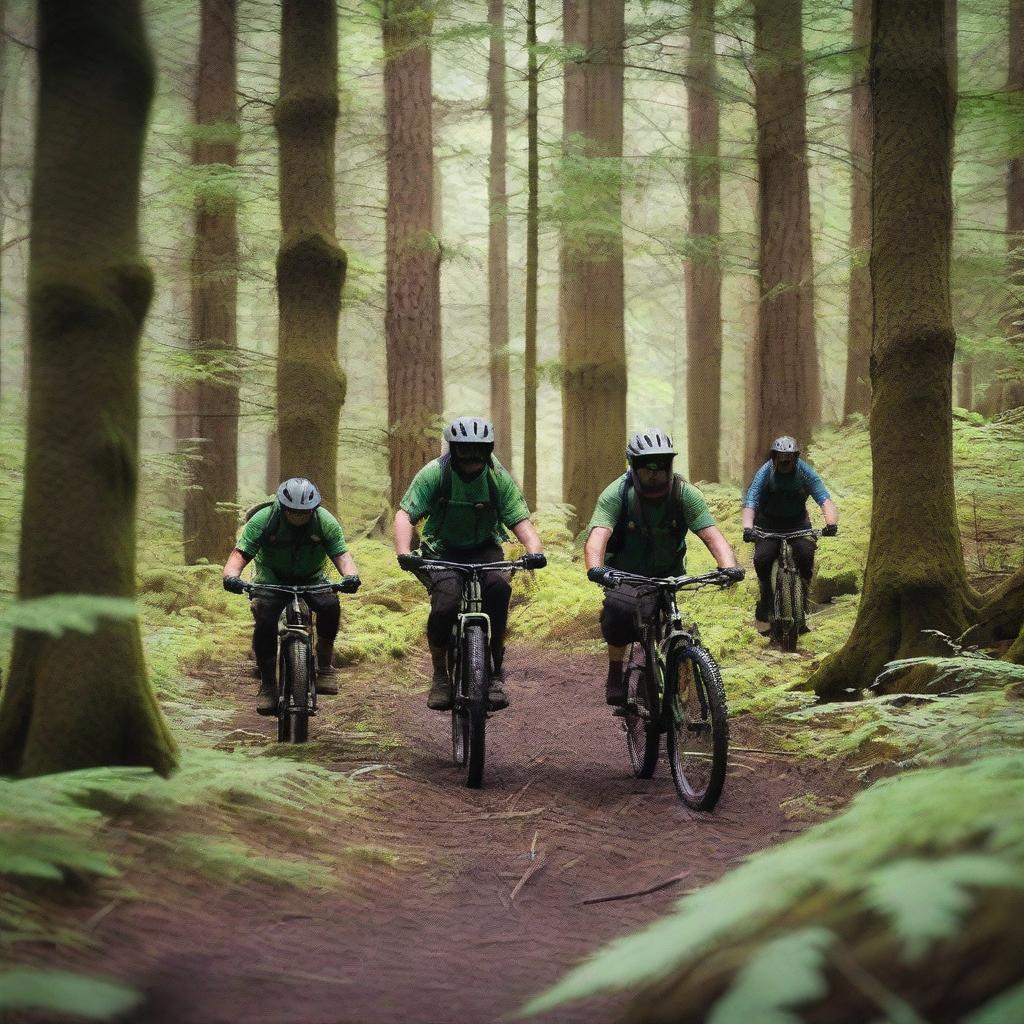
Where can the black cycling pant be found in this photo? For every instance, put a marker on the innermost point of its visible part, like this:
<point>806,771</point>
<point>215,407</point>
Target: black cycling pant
<point>625,609</point>
<point>445,589</point>
<point>767,551</point>
<point>266,610</point>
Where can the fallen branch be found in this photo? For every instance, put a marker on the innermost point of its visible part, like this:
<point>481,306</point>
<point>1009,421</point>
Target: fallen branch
<point>534,867</point>
<point>640,892</point>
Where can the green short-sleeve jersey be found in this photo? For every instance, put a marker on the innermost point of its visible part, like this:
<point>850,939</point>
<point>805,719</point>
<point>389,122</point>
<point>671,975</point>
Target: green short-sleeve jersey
<point>651,546</point>
<point>291,554</point>
<point>469,519</point>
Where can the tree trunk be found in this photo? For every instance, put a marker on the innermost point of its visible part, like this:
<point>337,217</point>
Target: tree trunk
<point>209,519</point>
<point>3,206</point>
<point>592,283</point>
<point>497,241</point>
<point>788,398</point>
<point>532,263</point>
<point>1014,322</point>
<point>857,397</point>
<point>412,319</point>
<point>703,276</point>
<point>915,578</point>
<point>82,699</point>
<point>310,264</point>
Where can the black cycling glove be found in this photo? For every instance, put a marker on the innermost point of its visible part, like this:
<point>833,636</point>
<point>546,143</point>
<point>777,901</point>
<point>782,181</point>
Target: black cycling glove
<point>234,584</point>
<point>535,560</point>
<point>600,574</point>
<point>410,561</point>
<point>830,529</point>
<point>733,572</point>
<point>748,535</point>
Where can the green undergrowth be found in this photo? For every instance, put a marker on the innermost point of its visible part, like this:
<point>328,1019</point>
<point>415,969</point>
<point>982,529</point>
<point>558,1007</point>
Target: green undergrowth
<point>898,878</point>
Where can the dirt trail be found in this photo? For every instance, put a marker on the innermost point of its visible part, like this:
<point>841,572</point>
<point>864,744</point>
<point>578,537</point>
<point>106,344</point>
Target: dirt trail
<point>438,938</point>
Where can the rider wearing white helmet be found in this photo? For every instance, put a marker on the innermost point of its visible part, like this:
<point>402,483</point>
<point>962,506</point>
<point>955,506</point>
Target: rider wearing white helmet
<point>467,499</point>
<point>639,525</point>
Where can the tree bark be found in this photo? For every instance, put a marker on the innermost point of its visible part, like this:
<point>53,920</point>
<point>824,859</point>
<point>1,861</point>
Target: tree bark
<point>857,396</point>
<point>3,206</point>
<point>532,262</point>
<point>591,263</point>
<point>703,273</point>
<point>412,319</point>
<point>1014,323</point>
<point>497,242</point>
<point>788,397</point>
<point>82,699</point>
<point>208,523</point>
<point>310,264</point>
<point>915,578</point>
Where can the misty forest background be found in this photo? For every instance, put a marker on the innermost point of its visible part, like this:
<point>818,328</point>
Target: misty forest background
<point>352,222</point>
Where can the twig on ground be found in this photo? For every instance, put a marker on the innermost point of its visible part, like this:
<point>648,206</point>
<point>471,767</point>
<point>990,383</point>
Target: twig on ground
<point>640,892</point>
<point>534,867</point>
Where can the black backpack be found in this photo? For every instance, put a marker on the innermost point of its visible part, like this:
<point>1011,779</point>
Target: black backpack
<point>445,492</point>
<point>617,541</point>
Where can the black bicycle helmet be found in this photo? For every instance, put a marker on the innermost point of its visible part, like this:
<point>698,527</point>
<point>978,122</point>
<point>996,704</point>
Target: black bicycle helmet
<point>298,494</point>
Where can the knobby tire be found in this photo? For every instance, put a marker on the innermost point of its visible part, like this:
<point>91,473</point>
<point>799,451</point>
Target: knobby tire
<point>474,667</point>
<point>460,716</point>
<point>698,728</point>
<point>299,680</point>
<point>643,736</point>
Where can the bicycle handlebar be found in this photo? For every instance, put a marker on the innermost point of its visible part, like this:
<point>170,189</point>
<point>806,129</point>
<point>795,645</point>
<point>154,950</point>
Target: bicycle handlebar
<point>348,585</point>
<point>717,578</point>
<point>786,535</point>
<point>431,564</point>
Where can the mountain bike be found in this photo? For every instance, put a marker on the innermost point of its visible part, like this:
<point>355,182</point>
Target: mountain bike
<point>789,591</point>
<point>469,664</point>
<point>674,686</point>
<point>296,660</point>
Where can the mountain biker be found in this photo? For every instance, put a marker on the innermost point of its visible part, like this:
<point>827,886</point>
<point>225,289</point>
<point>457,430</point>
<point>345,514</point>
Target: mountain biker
<point>777,501</point>
<point>639,525</point>
<point>467,499</point>
<point>290,539</point>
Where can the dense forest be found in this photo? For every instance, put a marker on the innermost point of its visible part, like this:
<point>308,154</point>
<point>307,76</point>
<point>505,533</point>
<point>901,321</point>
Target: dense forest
<point>247,241</point>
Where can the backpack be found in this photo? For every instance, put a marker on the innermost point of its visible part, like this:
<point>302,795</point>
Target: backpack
<point>274,522</point>
<point>445,492</point>
<point>617,541</point>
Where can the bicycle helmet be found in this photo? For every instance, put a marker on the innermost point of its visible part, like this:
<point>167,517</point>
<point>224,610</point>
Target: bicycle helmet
<point>470,430</point>
<point>299,494</point>
<point>784,445</point>
<point>647,443</point>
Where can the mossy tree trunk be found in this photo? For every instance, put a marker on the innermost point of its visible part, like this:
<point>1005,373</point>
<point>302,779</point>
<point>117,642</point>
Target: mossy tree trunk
<point>412,318</point>
<point>703,272</point>
<point>788,397</point>
<point>310,264</point>
<point>497,240</point>
<point>915,578</point>
<point>208,524</point>
<point>83,699</point>
<point>591,280</point>
<point>1014,322</point>
<point>532,263</point>
<point>857,394</point>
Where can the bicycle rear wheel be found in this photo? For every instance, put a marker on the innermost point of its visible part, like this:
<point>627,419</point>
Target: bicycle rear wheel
<point>698,728</point>
<point>784,629</point>
<point>299,682</point>
<point>474,678</point>
<point>640,716</point>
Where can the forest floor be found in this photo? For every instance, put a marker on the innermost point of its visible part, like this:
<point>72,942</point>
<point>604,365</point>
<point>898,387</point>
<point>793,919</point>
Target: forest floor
<point>453,905</point>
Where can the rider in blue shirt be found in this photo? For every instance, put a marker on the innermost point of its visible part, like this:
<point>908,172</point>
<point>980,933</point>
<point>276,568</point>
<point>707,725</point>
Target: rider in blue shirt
<point>777,501</point>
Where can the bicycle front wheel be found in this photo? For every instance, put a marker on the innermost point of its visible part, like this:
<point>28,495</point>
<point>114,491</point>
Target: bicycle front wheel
<point>698,728</point>
<point>460,716</point>
<point>299,682</point>
<point>640,716</point>
<point>284,720</point>
<point>474,677</point>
